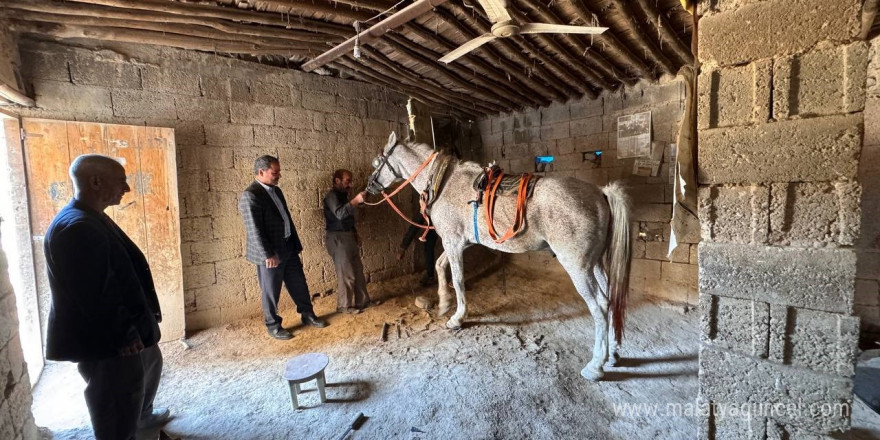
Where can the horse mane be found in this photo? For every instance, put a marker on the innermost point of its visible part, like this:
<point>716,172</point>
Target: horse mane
<point>426,149</point>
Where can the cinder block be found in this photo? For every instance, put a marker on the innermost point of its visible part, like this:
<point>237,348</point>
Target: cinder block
<point>170,80</point>
<point>556,112</point>
<point>248,113</point>
<point>68,101</point>
<point>272,94</point>
<point>230,180</point>
<point>236,271</point>
<point>817,149</point>
<point>734,95</point>
<point>195,229</point>
<point>218,295</point>
<point>585,108</point>
<point>739,325</point>
<point>349,125</point>
<point>142,103</point>
<point>751,32</point>
<point>227,225</point>
<point>734,213</point>
<point>274,137</point>
<point>823,341</point>
<point>216,88</point>
<point>586,126</point>
<point>868,264</point>
<point>200,109</point>
<point>98,72</point>
<point>201,275</point>
<point>820,82</point>
<point>870,318</point>
<point>681,273</point>
<point>821,279</point>
<point>389,111</point>
<point>343,105</point>
<point>806,213</point>
<point>40,65</point>
<point>522,136</point>
<point>652,212</point>
<point>778,333</point>
<point>526,119</point>
<point>738,379</point>
<point>215,250</point>
<point>555,131</point>
<point>317,101</point>
<point>210,203</point>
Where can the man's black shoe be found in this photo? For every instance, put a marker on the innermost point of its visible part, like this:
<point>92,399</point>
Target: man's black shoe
<point>312,320</point>
<point>280,333</point>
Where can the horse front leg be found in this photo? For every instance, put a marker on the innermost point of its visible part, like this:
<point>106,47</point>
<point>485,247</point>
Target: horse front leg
<point>443,292</point>
<point>454,255</point>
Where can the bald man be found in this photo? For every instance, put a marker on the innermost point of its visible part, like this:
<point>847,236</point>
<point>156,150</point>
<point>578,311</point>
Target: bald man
<point>105,313</point>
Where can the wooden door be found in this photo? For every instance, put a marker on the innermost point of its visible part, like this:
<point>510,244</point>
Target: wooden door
<point>149,214</point>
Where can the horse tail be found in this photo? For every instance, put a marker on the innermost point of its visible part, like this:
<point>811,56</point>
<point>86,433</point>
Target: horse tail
<point>618,255</point>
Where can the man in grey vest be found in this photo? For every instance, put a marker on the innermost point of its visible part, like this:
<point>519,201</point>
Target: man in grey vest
<point>342,245</point>
<point>273,246</point>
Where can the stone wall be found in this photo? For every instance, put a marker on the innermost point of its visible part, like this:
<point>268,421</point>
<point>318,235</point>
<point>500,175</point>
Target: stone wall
<point>782,89</point>
<point>16,420</point>
<point>867,298</point>
<point>9,59</point>
<point>566,131</point>
<point>225,113</point>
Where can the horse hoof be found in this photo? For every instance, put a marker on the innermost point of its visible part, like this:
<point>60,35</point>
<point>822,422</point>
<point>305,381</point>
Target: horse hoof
<point>614,360</point>
<point>452,325</point>
<point>591,374</point>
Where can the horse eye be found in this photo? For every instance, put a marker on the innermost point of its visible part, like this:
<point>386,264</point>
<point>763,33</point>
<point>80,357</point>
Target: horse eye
<point>377,162</point>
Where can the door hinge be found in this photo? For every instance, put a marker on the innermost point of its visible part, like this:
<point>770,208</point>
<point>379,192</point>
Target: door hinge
<point>23,134</point>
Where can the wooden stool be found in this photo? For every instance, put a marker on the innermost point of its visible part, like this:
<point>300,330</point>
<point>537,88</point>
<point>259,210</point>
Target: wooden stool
<point>304,368</point>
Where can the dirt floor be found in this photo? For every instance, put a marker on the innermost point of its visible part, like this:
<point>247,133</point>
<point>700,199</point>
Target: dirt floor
<point>513,372</point>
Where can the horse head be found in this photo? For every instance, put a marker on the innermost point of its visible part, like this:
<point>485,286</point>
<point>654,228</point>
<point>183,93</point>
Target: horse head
<point>384,172</point>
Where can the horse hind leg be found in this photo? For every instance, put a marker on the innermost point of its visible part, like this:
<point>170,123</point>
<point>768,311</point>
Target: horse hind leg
<point>454,255</point>
<point>613,346</point>
<point>587,286</point>
<point>443,293</point>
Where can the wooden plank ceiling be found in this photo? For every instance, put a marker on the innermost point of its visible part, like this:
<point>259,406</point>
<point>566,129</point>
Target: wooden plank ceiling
<point>646,39</point>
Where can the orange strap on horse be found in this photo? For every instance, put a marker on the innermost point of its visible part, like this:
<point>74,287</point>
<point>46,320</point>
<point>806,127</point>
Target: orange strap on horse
<point>387,198</point>
<point>519,217</point>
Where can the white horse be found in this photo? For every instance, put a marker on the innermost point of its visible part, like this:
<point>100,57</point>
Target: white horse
<point>588,229</point>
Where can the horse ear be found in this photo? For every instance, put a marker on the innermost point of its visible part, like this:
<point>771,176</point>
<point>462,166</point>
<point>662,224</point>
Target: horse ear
<point>392,140</point>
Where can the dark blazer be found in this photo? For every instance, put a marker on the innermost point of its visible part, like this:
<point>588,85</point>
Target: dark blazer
<point>264,224</point>
<point>103,296</point>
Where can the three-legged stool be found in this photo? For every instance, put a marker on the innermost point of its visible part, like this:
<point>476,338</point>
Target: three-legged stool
<point>304,368</point>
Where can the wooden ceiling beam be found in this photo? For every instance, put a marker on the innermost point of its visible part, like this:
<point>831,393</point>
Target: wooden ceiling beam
<point>497,78</point>
<point>552,90</point>
<point>453,73</point>
<point>516,47</point>
<point>598,68</point>
<point>191,30</point>
<point>681,50</point>
<point>223,13</point>
<point>150,37</point>
<point>298,8</point>
<point>610,44</point>
<point>648,46</point>
<point>416,80</point>
<point>135,15</point>
<point>372,7</point>
<point>567,57</point>
<point>371,76</point>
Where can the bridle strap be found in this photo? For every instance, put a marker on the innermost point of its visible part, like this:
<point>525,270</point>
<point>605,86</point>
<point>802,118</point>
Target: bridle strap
<point>387,197</point>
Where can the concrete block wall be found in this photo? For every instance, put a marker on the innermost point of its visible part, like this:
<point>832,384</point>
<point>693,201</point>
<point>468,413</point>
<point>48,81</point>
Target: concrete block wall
<point>780,136</point>
<point>225,113</point>
<point>867,297</point>
<point>566,131</point>
<point>16,420</point>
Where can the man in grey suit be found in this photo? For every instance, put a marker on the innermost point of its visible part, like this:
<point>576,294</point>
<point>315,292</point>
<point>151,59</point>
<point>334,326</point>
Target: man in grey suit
<point>273,246</point>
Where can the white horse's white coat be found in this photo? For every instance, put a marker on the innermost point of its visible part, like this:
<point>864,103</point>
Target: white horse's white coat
<point>566,215</point>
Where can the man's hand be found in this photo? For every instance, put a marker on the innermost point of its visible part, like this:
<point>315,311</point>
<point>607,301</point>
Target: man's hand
<point>400,253</point>
<point>133,348</point>
<point>358,199</point>
<point>273,261</point>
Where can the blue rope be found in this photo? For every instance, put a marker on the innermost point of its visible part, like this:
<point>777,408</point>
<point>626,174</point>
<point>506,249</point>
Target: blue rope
<point>476,231</point>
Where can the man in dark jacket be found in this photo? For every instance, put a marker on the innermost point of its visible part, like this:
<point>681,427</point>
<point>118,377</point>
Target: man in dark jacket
<point>273,246</point>
<point>104,313</point>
